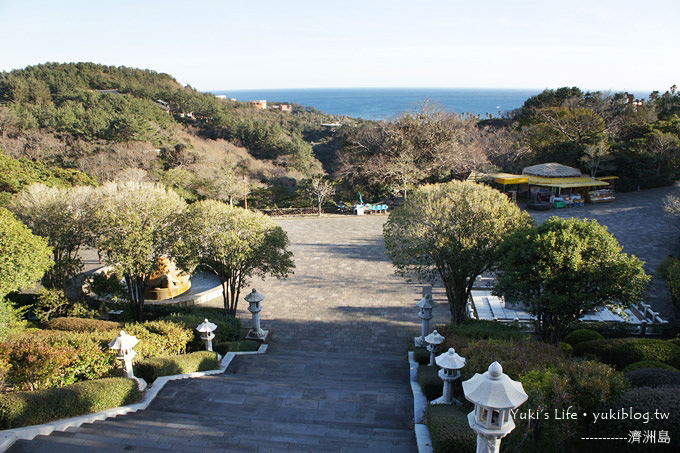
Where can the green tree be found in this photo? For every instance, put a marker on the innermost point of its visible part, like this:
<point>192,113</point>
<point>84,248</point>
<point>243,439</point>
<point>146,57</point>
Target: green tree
<point>234,244</point>
<point>451,232</point>
<point>135,223</point>
<point>564,268</point>
<point>63,216</point>
<point>24,257</point>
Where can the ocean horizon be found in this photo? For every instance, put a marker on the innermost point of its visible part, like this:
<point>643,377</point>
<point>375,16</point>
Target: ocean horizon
<point>388,103</point>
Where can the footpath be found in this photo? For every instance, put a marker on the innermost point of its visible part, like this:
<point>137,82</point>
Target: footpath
<point>335,377</point>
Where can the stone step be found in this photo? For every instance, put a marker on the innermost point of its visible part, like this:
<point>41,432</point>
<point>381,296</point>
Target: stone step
<point>165,426</point>
<point>301,401</point>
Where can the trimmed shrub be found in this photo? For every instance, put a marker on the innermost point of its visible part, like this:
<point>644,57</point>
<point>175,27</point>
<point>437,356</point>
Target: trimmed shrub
<point>431,384</point>
<point>669,272</point>
<point>158,338</point>
<point>449,429</point>
<point>32,408</point>
<point>35,364</point>
<point>581,335</point>
<point>82,325</point>
<point>515,356</point>
<point>647,349</point>
<point>228,327</point>
<point>50,358</point>
<point>153,368</point>
<point>421,356</point>
<point>566,348</point>
<point>650,401</point>
<point>584,385</point>
<point>236,346</point>
<point>648,364</point>
<point>484,330</point>
<point>602,350</point>
<point>607,329</point>
<point>652,377</point>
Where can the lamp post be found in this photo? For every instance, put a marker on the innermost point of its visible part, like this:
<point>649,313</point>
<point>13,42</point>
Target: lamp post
<point>450,364</point>
<point>494,395</point>
<point>254,307</point>
<point>434,340</point>
<point>425,306</point>
<point>207,328</point>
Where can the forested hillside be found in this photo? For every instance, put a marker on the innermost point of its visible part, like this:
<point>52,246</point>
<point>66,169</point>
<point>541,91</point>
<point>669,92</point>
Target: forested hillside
<point>600,133</point>
<point>118,122</point>
<point>89,123</point>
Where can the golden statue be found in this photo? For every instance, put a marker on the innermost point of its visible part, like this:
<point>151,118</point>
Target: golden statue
<point>167,281</point>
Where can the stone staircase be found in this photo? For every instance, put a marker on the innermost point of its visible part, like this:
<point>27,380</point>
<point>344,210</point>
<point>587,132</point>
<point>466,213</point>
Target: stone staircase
<point>302,401</point>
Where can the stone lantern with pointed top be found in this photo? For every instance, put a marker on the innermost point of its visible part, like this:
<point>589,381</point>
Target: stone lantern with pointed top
<point>425,306</point>
<point>254,300</point>
<point>434,341</point>
<point>450,364</point>
<point>494,395</point>
<point>207,328</point>
<point>124,343</point>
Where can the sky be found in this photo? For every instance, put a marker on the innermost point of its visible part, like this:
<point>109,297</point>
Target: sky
<point>271,44</point>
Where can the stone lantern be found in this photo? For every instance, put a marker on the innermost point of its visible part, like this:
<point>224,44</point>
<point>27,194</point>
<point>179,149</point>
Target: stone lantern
<point>124,343</point>
<point>434,340</point>
<point>425,306</point>
<point>494,395</point>
<point>450,364</point>
<point>254,307</point>
<point>207,328</point>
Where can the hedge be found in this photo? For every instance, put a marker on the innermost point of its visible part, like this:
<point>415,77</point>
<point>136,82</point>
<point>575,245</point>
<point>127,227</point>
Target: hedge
<point>82,325</point>
<point>449,429</point>
<point>648,364</point>
<point>653,377</point>
<point>421,356</point>
<point>647,349</point>
<point>236,346</point>
<point>228,327</point>
<point>645,400</point>
<point>42,406</point>
<point>153,368</point>
<point>602,350</point>
<point>157,338</point>
<point>431,384</point>
<point>42,359</point>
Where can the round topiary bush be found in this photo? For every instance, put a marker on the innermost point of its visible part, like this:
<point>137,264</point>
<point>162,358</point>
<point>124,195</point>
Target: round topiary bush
<point>602,350</point>
<point>648,364</point>
<point>647,349</point>
<point>652,377</point>
<point>581,335</point>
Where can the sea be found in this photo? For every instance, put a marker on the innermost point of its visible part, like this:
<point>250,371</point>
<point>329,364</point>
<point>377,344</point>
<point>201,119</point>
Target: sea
<point>388,103</point>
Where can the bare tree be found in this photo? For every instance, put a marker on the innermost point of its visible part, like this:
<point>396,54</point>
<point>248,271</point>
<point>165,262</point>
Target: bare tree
<point>321,188</point>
